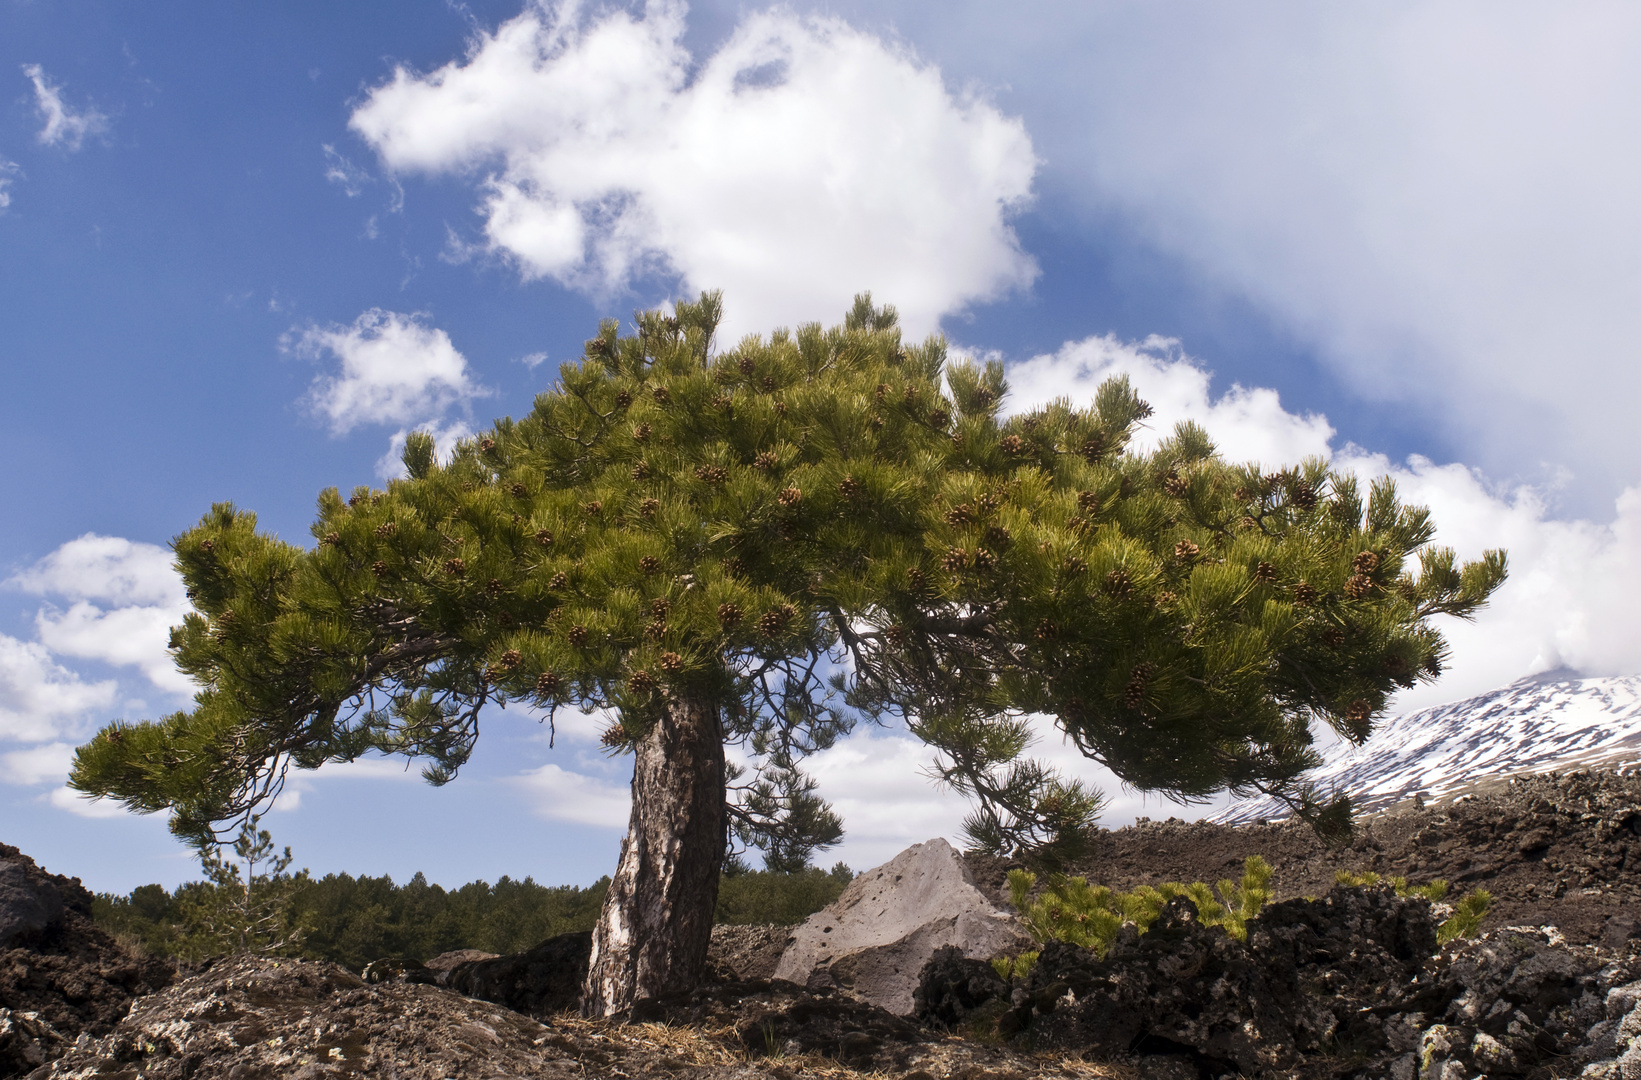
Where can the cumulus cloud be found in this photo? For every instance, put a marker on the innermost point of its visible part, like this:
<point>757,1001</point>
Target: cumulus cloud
<point>124,598</point>
<point>801,162</point>
<point>1439,198</point>
<point>391,465</point>
<point>395,369</point>
<point>46,764</point>
<point>39,698</point>
<point>64,126</point>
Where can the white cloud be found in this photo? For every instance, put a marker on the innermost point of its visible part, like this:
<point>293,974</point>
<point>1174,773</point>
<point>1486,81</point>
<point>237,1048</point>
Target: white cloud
<point>9,171</point>
<point>1439,197</point>
<point>800,163</point>
<point>339,170</point>
<point>40,699</point>
<point>395,369</point>
<point>299,782</point>
<point>560,795</point>
<point>81,805</point>
<point>533,360</point>
<point>44,764</point>
<point>64,126</point>
<point>141,597</point>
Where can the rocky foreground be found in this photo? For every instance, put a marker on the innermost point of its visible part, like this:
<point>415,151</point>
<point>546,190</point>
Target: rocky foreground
<point>1349,984</point>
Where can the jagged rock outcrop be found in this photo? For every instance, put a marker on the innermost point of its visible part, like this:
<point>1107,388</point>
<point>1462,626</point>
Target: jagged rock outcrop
<point>60,976</point>
<point>876,937</point>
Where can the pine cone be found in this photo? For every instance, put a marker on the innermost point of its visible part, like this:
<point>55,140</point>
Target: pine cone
<point>1264,571</point>
<point>915,579</point>
<point>544,537</point>
<point>614,736</point>
<point>729,614</point>
<point>559,581</point>
<point>1241,494</point>
<point>998,536</point>
<point>1249,522</point>
<point>594,508</point>
<point>672,662</point>
<point>1302,495</point>
<point>896,636</point>
<point>207,545</point>
<point>790,497</point>
<point>1333,637</point>
<point>1166,598</point>
<point>1358,585</point>
<point>876,422</point>
<point>939,418</point>
<point>765,461</point>
<point>511,659</point>
<point>577,635</point>
<point>909,395</point>
<point>641,433</point>
<point>332,538</point>
<point>954,560</point>
<point>1395,666</point>
<point>547,682</point>
<point>767,382</point>
<point>1093,448</point>
<point>641,681</point>
<point>386,529</point>
<point>640,470</point>
<point>1075,564</point>
<point>984,396</point>
<point>1118,585</point>
<point>1013,445</point>
<point>1047,629</point>
<point>780,408</point>
<point>734,566</point>
<point>649,564</point>
<point>660,606</point>
<point>487,444</point>
<point>882,392</point>
<point>849,487</point>
<point>747,366</point>
<point>1358,711</point>
<point>493,587</point>
<point>960,514</point>
<point>648,507</point>
<point>1175,484</point>
<point>1186,552</point>
<point>378,567</point>
<point>355,499</point>
<point>1304,594</point>
<point>519,491</point>
<point>455,567</point>
<point>983,559</point>
<point>711,474</point>
<point>623,399</point>
<point>661,394</point>
<point>1365,563</point>
<point>1088,501</point>
<point>774,620</point>
<point>1133,695</point>
<point>656,630</point>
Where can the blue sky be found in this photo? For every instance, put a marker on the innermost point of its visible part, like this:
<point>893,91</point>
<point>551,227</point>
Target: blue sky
<point>243,248</point>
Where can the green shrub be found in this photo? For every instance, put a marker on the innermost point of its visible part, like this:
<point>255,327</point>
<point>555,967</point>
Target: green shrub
<point>1089,916</point>
<point>1467,913</point>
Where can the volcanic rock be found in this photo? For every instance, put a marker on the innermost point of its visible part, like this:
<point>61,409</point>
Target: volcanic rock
<point>875,938</point>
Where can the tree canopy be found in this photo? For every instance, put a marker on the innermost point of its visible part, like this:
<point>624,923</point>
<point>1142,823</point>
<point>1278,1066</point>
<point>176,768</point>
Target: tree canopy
<point>804,530</point>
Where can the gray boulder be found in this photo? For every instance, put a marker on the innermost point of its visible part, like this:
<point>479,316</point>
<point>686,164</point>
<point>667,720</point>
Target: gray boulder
<point>875,938</point>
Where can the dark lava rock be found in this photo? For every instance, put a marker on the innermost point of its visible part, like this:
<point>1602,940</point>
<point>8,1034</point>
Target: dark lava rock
<point>539,982</point>
<point>60,975</point>
<point>953,987</point>
<point>400,970</point>
<point>259,1019</point>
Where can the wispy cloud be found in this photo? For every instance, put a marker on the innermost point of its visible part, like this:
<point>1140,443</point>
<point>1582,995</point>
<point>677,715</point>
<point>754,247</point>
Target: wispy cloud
<point>64,126</point>
<point>802,162</point>
<point>340,171</point>
<point>9,171</point>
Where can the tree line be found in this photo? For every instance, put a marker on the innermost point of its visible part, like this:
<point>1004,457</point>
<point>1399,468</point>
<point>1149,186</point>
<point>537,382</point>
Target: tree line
<point>353,920</point>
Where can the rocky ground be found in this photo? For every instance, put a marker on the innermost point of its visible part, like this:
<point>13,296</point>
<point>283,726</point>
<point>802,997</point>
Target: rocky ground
<point>1563,850</point>
<point>1347,986</point>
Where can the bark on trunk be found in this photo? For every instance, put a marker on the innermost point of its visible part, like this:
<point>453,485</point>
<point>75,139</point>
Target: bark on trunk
<point>653,933</point>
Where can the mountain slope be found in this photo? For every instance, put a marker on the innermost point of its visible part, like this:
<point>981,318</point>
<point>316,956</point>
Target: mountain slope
<point>1556,720</point>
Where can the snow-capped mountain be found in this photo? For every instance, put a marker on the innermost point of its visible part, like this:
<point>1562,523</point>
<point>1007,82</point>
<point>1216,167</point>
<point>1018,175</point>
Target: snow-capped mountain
<point>1556,720</point>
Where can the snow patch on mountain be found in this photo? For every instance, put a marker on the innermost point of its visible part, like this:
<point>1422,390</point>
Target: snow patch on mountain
<point>1556,720</point>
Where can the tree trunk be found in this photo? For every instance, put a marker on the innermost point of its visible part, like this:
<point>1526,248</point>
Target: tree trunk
<point>653,933</point>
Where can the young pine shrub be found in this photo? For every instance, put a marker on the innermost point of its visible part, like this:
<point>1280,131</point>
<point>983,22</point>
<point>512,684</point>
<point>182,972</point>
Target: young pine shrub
<point>1466,915</point>
<point>1089,916</point>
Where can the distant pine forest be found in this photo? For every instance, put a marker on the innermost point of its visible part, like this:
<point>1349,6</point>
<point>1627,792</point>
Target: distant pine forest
<point>354,920</point>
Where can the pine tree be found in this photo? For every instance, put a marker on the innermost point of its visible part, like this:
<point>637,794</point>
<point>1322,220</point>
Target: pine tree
<point>761,546</point>
<point>240,908</point>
